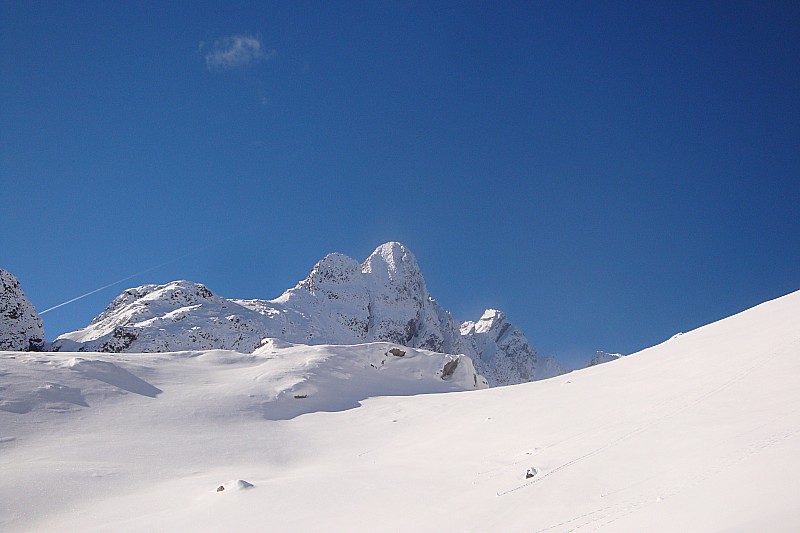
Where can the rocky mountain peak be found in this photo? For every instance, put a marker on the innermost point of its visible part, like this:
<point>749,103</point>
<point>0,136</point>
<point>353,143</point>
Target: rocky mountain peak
<point>492,320</point>
<point>177,293</point>
<point>504,353</point>
<point>392,262</point>
<point>20,325</point>
<point>331,271</point>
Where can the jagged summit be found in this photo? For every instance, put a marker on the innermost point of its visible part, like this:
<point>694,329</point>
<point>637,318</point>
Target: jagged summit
<point>490,319</point>
<point>506,356</point>
<point>341,301</point>
<point>392,261</point>
<point>137,301</point>
<point>504,353</point>
<point>333,270</point>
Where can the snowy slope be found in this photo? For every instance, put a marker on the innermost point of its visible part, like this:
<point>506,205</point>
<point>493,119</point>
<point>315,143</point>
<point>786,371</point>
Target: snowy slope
<point>700,433</point>
<point>20,325</point>
<point>340,302</point>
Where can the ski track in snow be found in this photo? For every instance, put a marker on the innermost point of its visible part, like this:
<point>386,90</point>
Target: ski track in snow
<point>744,373</point>
<point>640,501</point>
<point>532,452</point>
<point>609,514</point>
<point>604,516</point>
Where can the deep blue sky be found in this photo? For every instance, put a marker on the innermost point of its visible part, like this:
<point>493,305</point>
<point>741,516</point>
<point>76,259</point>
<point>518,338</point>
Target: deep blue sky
<point>606,173</point>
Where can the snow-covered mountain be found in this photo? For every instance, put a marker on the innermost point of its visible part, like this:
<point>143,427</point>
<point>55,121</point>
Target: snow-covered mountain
<point>181,315</point>
<point>340,302</point>
<point>700,433</point>
<point>604,357</point>
<point>505,355</point>
<point>20,326</point>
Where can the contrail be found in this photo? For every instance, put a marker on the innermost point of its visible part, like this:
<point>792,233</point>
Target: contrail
<point>127,278</point>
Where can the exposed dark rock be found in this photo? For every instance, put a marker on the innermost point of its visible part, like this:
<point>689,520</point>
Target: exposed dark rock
<point>20,325</point>
<point>449,368</point>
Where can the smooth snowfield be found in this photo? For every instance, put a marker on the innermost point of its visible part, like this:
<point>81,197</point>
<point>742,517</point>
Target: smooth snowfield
<point>700,433</point>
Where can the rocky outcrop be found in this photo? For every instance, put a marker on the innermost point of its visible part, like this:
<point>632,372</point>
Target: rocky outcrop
<point>20,326</point>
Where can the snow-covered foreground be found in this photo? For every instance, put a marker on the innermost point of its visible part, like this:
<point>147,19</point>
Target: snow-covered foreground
<point>700,433</point>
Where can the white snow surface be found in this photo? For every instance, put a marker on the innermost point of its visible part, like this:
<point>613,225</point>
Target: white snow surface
<point>340,302</point>
<point>700,433</point>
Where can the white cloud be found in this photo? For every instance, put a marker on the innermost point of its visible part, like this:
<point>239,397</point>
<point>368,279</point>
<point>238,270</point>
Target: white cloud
<point>236,51</point>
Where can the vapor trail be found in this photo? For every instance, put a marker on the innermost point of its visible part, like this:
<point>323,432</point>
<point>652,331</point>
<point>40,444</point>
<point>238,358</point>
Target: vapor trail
<point>124,279</point>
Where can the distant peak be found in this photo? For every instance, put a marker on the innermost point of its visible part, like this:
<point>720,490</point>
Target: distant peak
<point>391,247</point>
<point>337,261</point>
<point>174,290</point>
<point>493,315</point>
<point>181,285</point>
<point>391,258</point>
<point>490,319</point>
<point>604,357</point>
<point>334,268</point>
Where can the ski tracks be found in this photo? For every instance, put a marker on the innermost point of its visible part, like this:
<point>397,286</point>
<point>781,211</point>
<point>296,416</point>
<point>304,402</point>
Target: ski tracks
<point>601,517</point>
<point>606,515</point>
<point>703,397</point>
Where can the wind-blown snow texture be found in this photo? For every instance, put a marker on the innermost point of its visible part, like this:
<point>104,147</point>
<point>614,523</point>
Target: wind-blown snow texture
<point>700,433</point>
<point>340,302</point>
<point>20,326</point>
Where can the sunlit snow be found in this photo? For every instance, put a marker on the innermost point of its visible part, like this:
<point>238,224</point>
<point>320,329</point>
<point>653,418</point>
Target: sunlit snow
<point>700,433</point>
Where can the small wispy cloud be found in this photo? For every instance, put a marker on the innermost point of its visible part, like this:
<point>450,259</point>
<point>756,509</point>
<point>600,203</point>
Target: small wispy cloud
<point>236,51</point>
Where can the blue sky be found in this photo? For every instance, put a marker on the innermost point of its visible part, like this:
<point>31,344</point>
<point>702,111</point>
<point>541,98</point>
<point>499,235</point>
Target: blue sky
<point>606,173</point>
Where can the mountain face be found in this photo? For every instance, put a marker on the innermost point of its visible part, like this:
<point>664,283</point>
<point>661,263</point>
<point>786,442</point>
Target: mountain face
<point>181,315</point>
<point>340,302</point>
<point>20,326</point>
<point>505,355</point>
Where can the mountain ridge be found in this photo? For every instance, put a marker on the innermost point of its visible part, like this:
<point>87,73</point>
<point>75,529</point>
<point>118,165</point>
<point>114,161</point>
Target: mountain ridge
<point>340,301</point>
